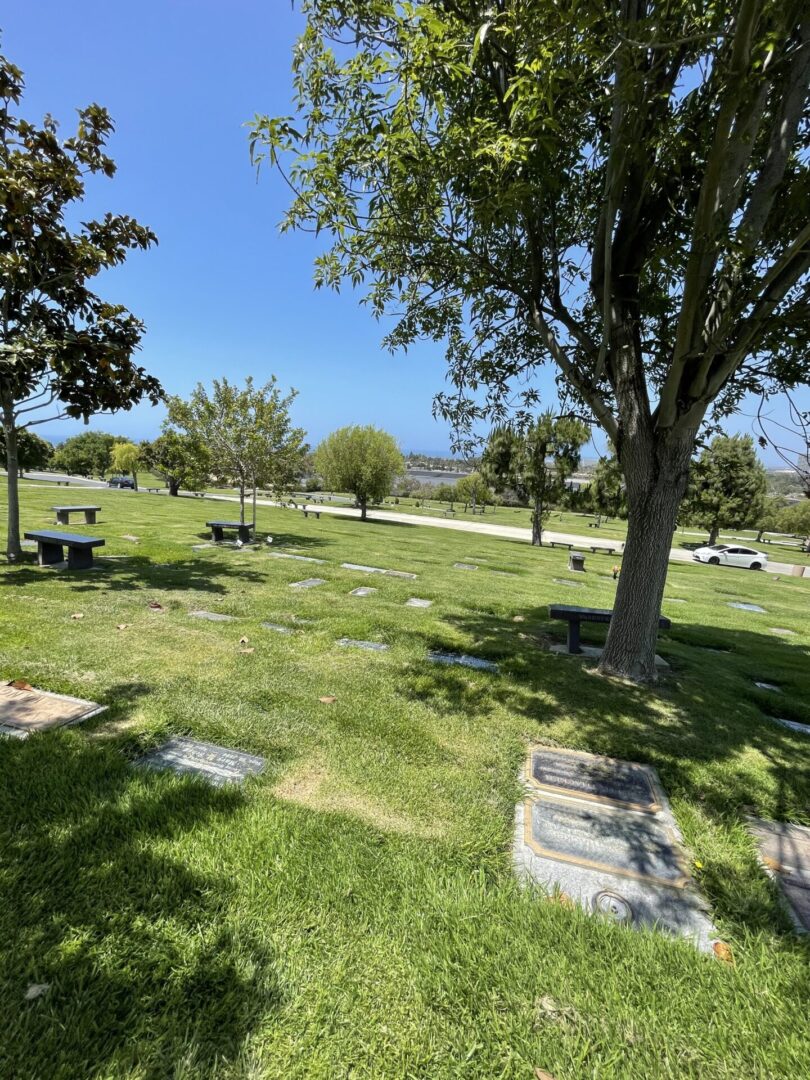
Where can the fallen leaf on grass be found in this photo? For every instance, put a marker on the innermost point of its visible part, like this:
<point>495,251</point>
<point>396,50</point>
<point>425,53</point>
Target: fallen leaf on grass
<point>723,952</point>
<point>564,900</point>
<point>518,618</point>
<point>243,641</point>
<point>772,864</point>
<point>36,990</point>
<point>122,626</point>
<point>20,684</point>
<point>155,606</point>
<point>541,1074</point>
<point>327,699</point>
<point>251,650</point>
<point>78,615</point>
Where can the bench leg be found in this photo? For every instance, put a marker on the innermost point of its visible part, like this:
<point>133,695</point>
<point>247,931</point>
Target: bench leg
<point>62,517</point>
<point>244,533</point>
<point>80,558</point>
<point>216,534</point>
<point>49,553</point>
<point>90,517</point>
<point>573,636</point>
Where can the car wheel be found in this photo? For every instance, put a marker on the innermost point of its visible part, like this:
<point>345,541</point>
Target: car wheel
<point>714,561</point>
<point>755,566</point>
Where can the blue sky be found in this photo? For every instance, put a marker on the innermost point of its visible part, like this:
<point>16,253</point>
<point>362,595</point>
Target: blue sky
<point>223,293</point>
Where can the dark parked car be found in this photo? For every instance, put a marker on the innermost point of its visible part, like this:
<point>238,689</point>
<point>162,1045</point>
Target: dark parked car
<point>121,482</point>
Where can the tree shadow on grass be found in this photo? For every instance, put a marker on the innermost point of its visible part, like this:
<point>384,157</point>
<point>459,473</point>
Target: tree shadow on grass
<point>143,970</point>
<point>140,572</point>
<point>704,727</point>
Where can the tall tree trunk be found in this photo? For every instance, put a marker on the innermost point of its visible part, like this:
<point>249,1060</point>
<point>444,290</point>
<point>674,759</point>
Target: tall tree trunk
<point>537,524</point>
<point>714,532</point>
<point>656,476</point>
<point>13,548</point>
<point>135,479</point>
<point>363,505</point>
<point>254,507</point>
<point>242,502</point>
<point>174,486</point>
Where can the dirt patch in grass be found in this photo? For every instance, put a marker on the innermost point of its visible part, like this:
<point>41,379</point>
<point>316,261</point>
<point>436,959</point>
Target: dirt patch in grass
<point>312,786</point>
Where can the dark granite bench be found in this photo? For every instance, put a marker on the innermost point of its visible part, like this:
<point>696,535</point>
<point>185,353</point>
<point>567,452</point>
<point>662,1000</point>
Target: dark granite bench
<point>596,548</point>
<point>560,543</point>
<point>307,510</point>
<point>80,548</point>
<point>63,513</point>
<point>576,615</point>
<point>243,529</point>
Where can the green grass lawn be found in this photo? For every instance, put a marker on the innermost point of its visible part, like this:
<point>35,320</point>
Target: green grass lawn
<point>352,911</point>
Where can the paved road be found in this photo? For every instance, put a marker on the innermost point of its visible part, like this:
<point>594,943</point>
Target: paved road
<point>75,481</point>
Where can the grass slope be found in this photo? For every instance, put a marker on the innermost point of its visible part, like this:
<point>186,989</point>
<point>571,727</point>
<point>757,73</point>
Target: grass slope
<point>352,911</point>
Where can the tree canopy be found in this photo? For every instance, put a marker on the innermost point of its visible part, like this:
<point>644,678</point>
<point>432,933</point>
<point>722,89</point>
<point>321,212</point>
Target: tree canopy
<point>64,351</point>
<point>618,190</point>
<point>536,462</point>
<point>126,459</point>
<point>88,454</point>
<point>727,487</point>
<point>245,433</point>
<point>178,459</point>
<point>362,460</point>
<point>33,452</point>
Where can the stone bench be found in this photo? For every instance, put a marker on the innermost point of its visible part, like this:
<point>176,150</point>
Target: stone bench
<point>243,529</point>
<point>307,510</point>
<point>560,543</point>
<point>574,616</point>
<point>50,545</point>
<point>596,548</point>
<point>63,513</point>
<point>449,513</point>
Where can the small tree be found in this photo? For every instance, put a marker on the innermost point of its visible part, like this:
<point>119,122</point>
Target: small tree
<point>473,490</point>
<point>606,489</point>
<point>88,454</point>
<point>362,460</point>
<point>126,459</point>
<point>63,350</point>
<point>179,460</point>
<point>32,451</point>
<point>536,463</point>
<point>796,521</point>
<point>769,519</point>
<point>246,432</point>
<point>727,487</point>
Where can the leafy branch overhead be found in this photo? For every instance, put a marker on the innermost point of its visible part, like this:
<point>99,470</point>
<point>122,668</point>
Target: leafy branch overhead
<point>618,189</point>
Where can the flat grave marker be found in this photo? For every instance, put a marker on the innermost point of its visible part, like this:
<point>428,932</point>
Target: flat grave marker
<point>211,616</point>
<point>602,832</point>
<point>26,711</point>
<point>768,686</point>
<point>352,643</point>
<point>784,849</point>
<point>462,660</point>
<point>792,725</point>
<point>747,607</point>
<point>378,570</point>
<point>363,590</point>
<point>570,584</point>
<point>464,566</point>
<point>298,558</point>
<point>415,601</point>
<point>604,838</point>
<point>218,765</point>
<point>782,631</point>
<point>279,629</point>
<point>308,583</point>
<point>590,776</point>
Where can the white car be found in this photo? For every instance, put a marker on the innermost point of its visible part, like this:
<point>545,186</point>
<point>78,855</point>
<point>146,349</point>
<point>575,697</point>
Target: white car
<point>728,555</point>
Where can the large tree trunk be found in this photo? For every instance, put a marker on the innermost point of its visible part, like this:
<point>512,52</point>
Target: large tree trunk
<point>174,486</point>
<point>537,524</point>
<point>363,507</point>
<point>13,548</point>
<point>656,478</point>
<point>714,532</point>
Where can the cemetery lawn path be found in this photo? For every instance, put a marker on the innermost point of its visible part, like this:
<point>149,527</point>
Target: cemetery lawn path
<point>352,911</point>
